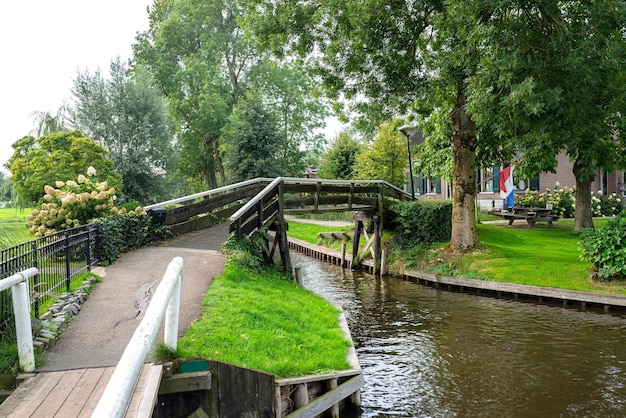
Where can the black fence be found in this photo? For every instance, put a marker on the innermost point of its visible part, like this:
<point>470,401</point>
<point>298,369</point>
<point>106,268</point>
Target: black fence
<point>58,257</point>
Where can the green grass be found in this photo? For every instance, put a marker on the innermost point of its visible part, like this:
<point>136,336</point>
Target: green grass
<point>266,322</point>
<point>13,230</point>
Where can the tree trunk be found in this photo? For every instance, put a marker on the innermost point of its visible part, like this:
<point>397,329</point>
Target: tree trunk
<point>583,217</point>
<point>464,237</point>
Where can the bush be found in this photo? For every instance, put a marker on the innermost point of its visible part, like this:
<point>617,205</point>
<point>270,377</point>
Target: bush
<point>605,248</point>
<point>561,198</point>
<point>422,222</point>
<point>605,205</point>
<point>73,203</point>
<point>121,233</point>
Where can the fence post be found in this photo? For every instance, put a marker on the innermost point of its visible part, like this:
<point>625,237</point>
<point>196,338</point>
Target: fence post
<point>68,271</point>
<point>36,278</point>
<point>21,310</point>
<point>88,249</point>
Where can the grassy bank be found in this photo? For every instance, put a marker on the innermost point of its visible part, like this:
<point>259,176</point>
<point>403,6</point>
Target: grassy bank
<point>258,318</point>
<point>540,256</point>
<point>13,230</point>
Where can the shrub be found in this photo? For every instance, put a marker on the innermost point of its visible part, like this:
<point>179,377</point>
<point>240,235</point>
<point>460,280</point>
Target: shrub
<point>605,248</point>
<point>605,205</point>
<point>121,233</point>
<point>422,222</point>
<point>562,200</point>
<point>73,203</point>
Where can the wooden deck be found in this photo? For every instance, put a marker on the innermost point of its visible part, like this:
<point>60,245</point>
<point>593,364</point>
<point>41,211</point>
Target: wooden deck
<point>75,393</point>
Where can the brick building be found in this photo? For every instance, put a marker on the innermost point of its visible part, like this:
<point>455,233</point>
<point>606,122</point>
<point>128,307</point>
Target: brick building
<point>488,183</point>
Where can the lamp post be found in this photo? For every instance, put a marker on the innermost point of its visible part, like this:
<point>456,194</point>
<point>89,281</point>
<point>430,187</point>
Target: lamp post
<point>407,131</point>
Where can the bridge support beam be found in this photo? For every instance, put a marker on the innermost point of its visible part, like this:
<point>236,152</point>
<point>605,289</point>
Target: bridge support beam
<point>372,243</point>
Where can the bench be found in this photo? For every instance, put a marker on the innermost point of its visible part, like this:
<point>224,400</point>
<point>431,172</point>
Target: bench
<point>333,236</point>
<point>530,215</point>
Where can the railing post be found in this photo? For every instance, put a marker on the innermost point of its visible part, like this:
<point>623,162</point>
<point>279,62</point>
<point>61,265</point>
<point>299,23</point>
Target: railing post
<point>88,249</point>
<point>21,309</point>
<point>68,271</point>
<point>36,278</point>
<point>170,334</point>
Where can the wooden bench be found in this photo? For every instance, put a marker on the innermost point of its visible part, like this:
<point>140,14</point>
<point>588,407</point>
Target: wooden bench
<point>334,236</point>
<point>530,215</point>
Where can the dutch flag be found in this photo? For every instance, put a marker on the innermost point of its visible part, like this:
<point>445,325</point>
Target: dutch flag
<point>507,187</point>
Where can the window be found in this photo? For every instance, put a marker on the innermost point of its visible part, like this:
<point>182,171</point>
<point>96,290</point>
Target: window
<point>488,180</point>
<point>428,185</point>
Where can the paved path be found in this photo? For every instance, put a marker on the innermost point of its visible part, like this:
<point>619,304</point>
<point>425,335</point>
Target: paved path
<point>99,334</point>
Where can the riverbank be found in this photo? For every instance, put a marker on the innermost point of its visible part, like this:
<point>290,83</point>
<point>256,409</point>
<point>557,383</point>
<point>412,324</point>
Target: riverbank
<point>542,294</point>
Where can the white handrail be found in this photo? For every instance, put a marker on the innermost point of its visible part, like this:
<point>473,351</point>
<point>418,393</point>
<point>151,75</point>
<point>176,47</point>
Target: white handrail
<point>18,283</point>
<point>165,302</point>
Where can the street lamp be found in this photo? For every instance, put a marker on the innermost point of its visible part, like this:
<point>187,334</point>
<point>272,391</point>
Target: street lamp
<point>408,131</point>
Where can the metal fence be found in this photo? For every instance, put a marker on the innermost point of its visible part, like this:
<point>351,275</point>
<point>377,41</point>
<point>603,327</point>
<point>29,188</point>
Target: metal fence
<point>58,257</point>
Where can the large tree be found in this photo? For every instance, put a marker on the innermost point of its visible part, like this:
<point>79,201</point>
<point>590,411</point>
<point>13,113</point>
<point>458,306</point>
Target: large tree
<point>204,65</point>
<point>339,161</point>
<point>125,114</point>
<point>441,58</point>
<point>59,156</point>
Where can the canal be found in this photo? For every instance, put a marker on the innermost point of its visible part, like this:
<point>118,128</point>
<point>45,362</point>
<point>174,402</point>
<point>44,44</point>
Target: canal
<point>434,353</point>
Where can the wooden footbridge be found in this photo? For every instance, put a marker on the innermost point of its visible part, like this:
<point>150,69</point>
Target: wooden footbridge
<point>258,205</point>
<point>261,204</point>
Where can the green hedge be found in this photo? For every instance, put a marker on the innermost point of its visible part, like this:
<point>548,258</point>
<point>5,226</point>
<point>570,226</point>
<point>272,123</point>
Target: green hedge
<point>422,222</point>
<point>605,248</point>
<point>121,233</point>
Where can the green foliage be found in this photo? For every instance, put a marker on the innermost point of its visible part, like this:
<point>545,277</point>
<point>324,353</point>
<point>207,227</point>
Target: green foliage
<point>252,142</point>
<point>339,161</point>
<point>61,155</point>
<point>245,253</point>
<point>605,248</point>
<point>562,200</point>
<point>422,222</point>
<point>386,159</point>
<point>73,203</point>
<point>121,233</point>
<point>606,205</point>
<point>126,115</point>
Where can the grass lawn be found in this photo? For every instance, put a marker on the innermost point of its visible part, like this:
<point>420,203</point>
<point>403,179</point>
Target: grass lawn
<point>12,227</point>
<point>540,256</point>
<point>264,321</point>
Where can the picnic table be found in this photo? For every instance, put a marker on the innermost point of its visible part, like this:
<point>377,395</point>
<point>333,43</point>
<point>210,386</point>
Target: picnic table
<point>529,214</point>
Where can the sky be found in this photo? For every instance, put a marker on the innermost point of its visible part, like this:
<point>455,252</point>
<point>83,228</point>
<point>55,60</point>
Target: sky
<point>43,43</point>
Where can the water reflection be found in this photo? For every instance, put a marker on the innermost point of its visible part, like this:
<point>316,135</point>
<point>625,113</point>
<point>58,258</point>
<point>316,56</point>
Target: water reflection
<point>431,353</point>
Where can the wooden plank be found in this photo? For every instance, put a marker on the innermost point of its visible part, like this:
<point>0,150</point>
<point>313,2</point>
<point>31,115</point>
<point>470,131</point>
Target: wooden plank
<point>18,395</point>
<point>59,394</point>
<point>32,400</point>
<point>84,389</point>
<point>329,399</point>
<point>92,402</point>
<point>146,392</point>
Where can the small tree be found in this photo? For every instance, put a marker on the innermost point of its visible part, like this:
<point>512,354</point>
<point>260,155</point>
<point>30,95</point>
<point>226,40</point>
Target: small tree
<point>339,161</point>
<point>386,159</point>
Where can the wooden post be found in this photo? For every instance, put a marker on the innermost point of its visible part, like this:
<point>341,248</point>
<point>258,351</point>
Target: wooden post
<point>358,226</point>
<point>343,254</point>
<point>278,402</point>
<point>377,244</point>
<point>298,275</point>
<point>282,231</point>
<point>334,410</point>
<point>383,262</point>
<point>301,395</point>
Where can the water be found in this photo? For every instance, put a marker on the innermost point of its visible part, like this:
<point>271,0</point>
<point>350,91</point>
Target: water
<point>433,353</point>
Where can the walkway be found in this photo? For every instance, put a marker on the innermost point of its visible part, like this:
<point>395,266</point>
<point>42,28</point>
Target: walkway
<point>99,334</point>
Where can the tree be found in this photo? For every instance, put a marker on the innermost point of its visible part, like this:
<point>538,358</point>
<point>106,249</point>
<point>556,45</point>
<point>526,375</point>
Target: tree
<point>386,159</point>
<point>562,82</point>
<point>205,66</point>
<point>126,115</point>
<point>62,156</point>
<point>339,161</point>
<point>252,141</point>
<point>442,58</point>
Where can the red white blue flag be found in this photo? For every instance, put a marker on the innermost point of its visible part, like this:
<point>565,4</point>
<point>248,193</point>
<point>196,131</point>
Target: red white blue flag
<point>507,186</point>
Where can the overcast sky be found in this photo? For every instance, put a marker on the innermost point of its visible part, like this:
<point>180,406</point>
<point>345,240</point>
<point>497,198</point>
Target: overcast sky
<point>42,45</point>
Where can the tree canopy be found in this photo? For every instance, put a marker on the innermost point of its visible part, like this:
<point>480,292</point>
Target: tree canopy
<point>204,66</point>
<point>126,115</point>
<point>489,71</point>
<point>339,161</point>
<point>59,156</point>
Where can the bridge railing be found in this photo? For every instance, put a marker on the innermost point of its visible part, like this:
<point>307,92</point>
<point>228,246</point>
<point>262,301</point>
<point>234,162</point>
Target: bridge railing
<point>164,304</point>
<point>18,283</point>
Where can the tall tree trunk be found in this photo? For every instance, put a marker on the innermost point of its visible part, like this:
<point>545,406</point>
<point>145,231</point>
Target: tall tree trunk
<point>464,237</point>
<point>583,217</point>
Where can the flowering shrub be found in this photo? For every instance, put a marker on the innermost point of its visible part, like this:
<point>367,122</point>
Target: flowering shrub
<point>605,248</point>
<point>562,200</point>
<point>73,203</point>
<point>605,205</point>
